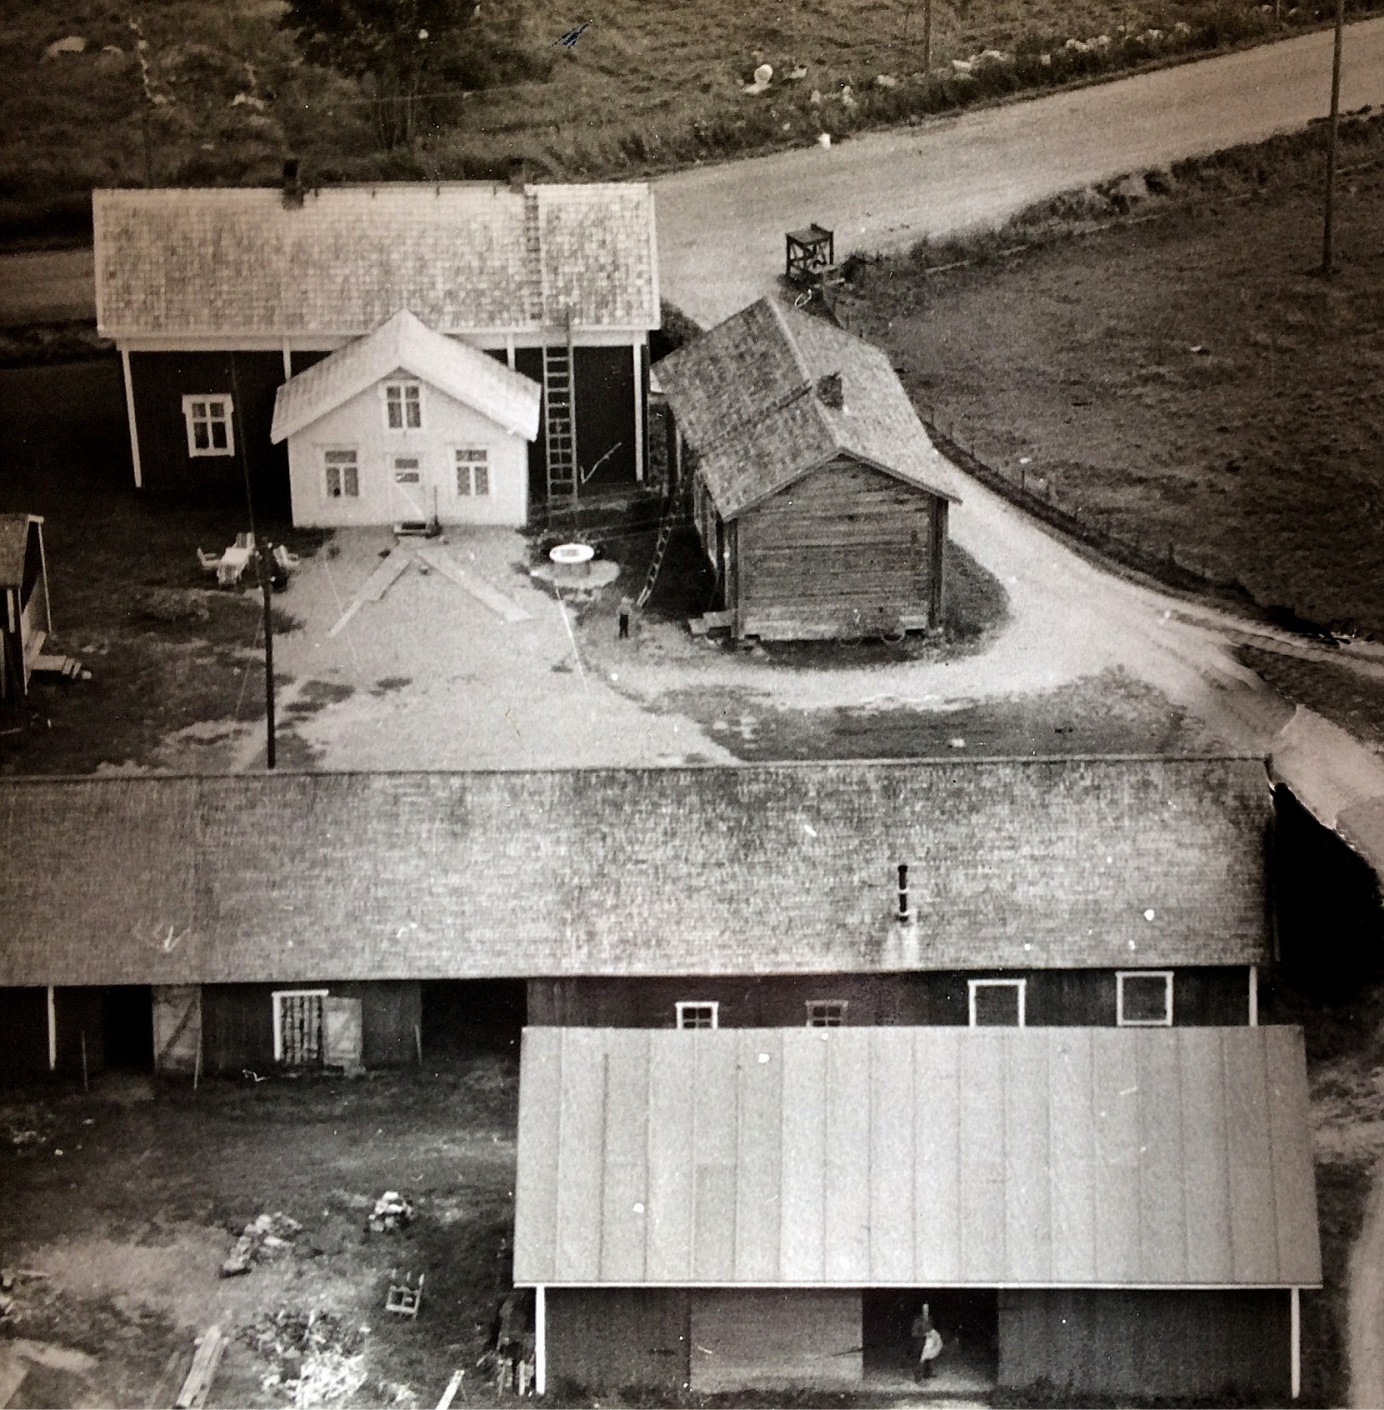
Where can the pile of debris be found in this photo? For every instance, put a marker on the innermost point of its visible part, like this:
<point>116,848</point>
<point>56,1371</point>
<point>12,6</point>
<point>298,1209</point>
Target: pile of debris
<point>314,1359</point>
<point>265,1237</point>
<point>392,1211</point>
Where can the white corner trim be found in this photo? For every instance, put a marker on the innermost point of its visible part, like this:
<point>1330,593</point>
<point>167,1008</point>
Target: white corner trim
<point>130,417</point>
<point>52,1032</point>
<point>1254,996</point>
<point>540,1339</point>
<point>1295,1319</point>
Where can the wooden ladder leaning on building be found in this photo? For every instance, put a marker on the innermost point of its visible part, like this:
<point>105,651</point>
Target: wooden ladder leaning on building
<point>672,506</point>
<point>560,419</point>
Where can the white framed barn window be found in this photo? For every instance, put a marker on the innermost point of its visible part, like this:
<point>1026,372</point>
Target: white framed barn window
<point>298,1026</point>
<point>826,1013</point>
<point>698,1014</point>
<point>341,469</point>
<point>210,428</point>
<point>403,406</point>
<point>996,1003</point>
<point>473,472</point>
<point>1144,998</point>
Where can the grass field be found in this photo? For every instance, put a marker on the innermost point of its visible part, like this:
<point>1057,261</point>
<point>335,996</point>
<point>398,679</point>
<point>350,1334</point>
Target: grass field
<point>646,86</point>
<point>1188,379</point>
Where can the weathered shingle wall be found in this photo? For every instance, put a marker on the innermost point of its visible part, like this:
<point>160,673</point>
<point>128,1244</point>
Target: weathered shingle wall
<point>756,869</point>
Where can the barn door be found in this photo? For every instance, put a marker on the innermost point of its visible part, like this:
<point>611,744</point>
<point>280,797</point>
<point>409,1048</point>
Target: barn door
<point>342,1036</point>
<point>409,492</point>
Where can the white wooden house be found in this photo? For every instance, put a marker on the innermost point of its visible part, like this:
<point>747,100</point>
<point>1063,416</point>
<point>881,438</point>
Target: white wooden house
<point>407,425</point>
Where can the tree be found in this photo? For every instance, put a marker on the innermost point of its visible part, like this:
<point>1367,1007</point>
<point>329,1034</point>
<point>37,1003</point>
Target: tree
<point>400,50</point>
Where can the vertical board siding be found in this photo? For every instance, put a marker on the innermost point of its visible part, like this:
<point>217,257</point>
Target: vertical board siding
<point>937,1187</point>
<point>1290,1135</point>
<point>983,1157</point>
<point>670,1184</point>
<point>1162,1196</point>
<point>1115,1097</point>
<point>1206,1168</point>
<point>892,1257</point>
<point>624,1213</point>
<point>1028,1212</point>
<point>714,1155</point>
<point>748,1338</point>
<point>538,1168</point>
<point>802,1236</point>
<point>847,1238</point>
<point>1253,1230</point>
<point>581,1140</point>
<point>1072,1148</point>
<point>760,1100</point>
<point>613,1338</point>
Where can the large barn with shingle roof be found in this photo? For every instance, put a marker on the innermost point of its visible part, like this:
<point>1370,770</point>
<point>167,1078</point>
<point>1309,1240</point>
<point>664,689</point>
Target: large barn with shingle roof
<point>820,500</point>
<point>216,298</point>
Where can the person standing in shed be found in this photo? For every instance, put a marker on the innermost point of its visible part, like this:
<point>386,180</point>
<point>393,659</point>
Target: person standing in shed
<point>926,1342</point>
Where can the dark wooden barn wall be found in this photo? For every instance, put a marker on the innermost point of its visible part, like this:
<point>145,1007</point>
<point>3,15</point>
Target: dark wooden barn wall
<point>78,1017</point>
<point>238,1023</point>
<point>612,1338</point>
<point>1118,1343</point>
<point>23,1033</point>
<point>162,379</point>
<point>1072,998</point>
<point>765,1338</point>
<point>845,550</point>
<point>605,417</point>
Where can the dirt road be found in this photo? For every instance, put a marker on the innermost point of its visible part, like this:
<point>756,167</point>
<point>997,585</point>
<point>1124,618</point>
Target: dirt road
<point>888,189</point>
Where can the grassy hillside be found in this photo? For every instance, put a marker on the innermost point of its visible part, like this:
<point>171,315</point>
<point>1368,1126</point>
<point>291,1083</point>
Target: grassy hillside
<point>647,85</point>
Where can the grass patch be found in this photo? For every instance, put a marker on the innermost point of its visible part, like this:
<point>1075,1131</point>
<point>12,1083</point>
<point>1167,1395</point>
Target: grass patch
<point>645,88</point>
<point>1188,381</point>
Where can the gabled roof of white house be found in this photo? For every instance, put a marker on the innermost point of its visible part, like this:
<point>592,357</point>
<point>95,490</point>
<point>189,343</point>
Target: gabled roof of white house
<point>466,257</point>
<point>748,869</point>
<point>747,398</point>
<point>916,1157</point>
<point>404,343</point>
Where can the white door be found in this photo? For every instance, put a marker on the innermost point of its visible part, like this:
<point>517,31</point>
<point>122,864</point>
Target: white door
<point>410,498</point>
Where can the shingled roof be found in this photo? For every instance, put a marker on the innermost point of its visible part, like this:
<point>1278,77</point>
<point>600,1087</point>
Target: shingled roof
<point>406,344</point>
<point>467,258</point>
<point>748,399</point>
<point>782,868</point>
<point>915,1157</point>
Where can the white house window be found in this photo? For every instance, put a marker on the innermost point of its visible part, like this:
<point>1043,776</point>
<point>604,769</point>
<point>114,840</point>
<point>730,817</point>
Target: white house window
<point>826,1013</point>
<point>298,1026</point>
<point>697,1015</point>
<point>209,427</point>
<point>1144,998</point>
<point>473,472</point>
<point>408,470</point>
<point>343,474</point>
<point>997,1003</point>
<point>403,405</point>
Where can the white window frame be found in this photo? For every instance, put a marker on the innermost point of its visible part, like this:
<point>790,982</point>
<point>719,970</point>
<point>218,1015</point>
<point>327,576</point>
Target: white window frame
<point>280,994</point>
<point>190,423</point>
<point>1166,975</point>
<point>472,461</point>
<point>974,985</point>
<point>342,466</point>
<point>683,1006</point>
<point>826,1013</point>
<point>402,385</point>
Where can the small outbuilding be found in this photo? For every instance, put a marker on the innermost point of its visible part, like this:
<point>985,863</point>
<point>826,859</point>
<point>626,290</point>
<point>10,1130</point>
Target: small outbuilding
<point>819,498</point>
<point>1113,1212</point>
<point>406,425</point>
<point>25,621</point>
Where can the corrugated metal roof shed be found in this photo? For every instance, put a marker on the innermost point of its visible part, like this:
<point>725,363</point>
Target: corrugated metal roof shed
<point>914,1157</point>
<point>756,869</point>
<point>174,263</point>
<point>404,343</point>
<point>745,399</point>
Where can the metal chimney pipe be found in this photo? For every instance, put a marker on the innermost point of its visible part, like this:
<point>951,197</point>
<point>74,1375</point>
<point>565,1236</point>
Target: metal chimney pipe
<point>904,913</point>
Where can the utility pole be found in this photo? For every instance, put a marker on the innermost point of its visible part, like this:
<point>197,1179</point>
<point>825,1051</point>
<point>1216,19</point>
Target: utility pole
<point>1328,232</point>
<point>262,561</point>
<point>927,36</point>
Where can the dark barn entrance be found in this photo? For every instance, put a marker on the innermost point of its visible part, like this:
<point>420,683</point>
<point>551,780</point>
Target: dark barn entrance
<point>967,1318</point>
<point>464,1016</point>
<point>127,1025</point>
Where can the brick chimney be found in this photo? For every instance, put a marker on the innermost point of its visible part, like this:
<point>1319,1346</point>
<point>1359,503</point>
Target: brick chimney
<point>830,392</point>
